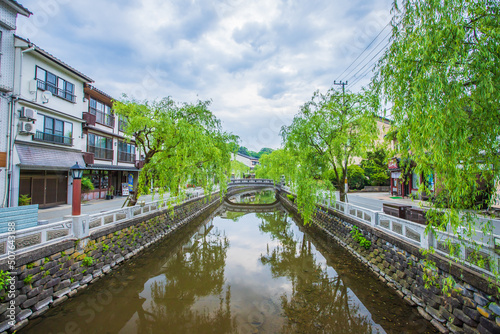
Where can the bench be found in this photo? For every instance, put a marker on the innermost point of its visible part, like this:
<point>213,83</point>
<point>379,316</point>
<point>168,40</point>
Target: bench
<point>23,217</point>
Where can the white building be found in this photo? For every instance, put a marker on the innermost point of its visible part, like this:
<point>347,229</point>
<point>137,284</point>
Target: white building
<point>247,160</point>
<point>113,162</point>
<point>47,125</point>
<point>8,16</point>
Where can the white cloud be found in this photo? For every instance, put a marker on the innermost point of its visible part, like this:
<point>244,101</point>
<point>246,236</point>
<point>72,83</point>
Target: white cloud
<point>257,60</point>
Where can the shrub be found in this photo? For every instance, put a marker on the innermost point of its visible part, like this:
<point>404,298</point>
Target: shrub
<point>88,261</point>
<point>24,200</point>
<point>87,184</point>
<point>358,237</point>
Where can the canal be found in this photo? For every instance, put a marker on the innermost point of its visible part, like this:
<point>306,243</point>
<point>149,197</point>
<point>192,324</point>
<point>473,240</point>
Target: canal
<point>238,271</point>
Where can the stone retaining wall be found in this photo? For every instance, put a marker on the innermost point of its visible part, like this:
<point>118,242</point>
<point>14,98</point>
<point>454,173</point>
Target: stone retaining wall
<point>50,275</point>
<point>471,307</point>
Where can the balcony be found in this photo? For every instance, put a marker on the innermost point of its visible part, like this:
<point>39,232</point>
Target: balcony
<point>126,157</point>
<point>101,153</point>
<point>43,85</point>
<point>103,118</point>
<point>53,138</point>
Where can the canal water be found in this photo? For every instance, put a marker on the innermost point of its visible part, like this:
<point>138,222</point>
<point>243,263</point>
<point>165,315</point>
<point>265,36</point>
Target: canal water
<point>248,270</point>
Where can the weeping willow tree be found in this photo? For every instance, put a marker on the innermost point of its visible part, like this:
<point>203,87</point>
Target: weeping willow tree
<point>181,142</point>
<point>442,75</point>
<point>328,132</point>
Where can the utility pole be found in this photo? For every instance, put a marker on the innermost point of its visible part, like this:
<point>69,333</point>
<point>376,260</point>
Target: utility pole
<point>343,84</point>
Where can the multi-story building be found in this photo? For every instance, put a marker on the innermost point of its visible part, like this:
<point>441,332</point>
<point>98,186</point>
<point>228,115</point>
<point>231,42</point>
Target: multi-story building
<point>47,125</point>
<point>9,10</point>
<point>112,160</point>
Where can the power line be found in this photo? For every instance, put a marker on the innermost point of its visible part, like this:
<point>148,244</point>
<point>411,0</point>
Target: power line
<point>365,49</point>
<point>368,54</point>
<point>383,49</point>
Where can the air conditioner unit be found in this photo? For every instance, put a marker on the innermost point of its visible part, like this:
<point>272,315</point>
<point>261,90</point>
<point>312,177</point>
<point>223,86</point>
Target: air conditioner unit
<point>28,114</point>
<point>27,128</point>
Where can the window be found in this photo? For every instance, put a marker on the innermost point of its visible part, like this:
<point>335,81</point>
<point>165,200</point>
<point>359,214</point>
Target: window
<point>102,112</point>
<point>102,147</point>
<point>415,180</point>
<point>54,84</point>
<point>126,152</point>
<point>122,123</point>
<point>53,130</point>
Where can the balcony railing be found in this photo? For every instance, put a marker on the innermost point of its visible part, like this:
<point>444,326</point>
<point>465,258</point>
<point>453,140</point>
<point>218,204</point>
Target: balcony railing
<point>103,118</point>
<point>101,153</point>
<point>122,125</point>
<point>53,138</point>
<point>126,157</point>
<point>44,85</point>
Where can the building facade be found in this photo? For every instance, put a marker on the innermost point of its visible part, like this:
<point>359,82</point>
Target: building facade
<point>9,10</point>
<point>113,161</point>
<point>47,126</point>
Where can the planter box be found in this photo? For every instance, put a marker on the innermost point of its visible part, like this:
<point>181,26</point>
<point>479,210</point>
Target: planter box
<point>395,209</point>
<point>416,215</point>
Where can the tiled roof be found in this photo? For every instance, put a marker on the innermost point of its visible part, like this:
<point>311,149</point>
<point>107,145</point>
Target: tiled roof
<point>35,157</point>
<point>56,60</point>
<point>20,8</point>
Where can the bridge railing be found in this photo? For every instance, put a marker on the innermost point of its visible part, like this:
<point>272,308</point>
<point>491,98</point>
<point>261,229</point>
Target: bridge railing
<point>235,182</point>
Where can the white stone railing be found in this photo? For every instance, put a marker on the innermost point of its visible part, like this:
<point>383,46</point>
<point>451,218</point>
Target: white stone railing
<point>74,228</point>
<point>237,182</point>
<point>30,238</point>
<point>414,233</point>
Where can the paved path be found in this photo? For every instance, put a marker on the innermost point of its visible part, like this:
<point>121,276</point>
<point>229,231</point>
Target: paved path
<point>57,213</point>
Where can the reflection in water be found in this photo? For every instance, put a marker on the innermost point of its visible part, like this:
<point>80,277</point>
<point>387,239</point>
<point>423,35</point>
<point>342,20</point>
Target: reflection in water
<point>316,301</point>
<point>266,196</point>
<point>236,272</point>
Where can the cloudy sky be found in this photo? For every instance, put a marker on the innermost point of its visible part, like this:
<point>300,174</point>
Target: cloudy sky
<point>257,60</point>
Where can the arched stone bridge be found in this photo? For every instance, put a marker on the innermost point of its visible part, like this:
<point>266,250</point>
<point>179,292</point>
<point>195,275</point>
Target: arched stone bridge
<point>252,183</point>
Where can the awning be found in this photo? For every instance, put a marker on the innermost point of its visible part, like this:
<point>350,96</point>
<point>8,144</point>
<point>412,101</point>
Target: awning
<point>35,157</point>
<point>112,167</point>
<point>396,175</point>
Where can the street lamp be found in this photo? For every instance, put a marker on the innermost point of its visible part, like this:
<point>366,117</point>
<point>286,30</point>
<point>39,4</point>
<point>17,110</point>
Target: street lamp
<point>77,173</point>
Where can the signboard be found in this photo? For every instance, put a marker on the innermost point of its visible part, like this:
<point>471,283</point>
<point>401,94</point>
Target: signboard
<point>130,181</point>
<point>393,164</point>
<point>125,191</point>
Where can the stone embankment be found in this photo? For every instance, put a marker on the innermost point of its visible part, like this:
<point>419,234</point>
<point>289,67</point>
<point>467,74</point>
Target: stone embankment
<point>50,275</point>
<point>471,306</point>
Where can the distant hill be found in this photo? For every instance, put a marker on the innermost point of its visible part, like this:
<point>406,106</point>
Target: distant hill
<point>245,151</point>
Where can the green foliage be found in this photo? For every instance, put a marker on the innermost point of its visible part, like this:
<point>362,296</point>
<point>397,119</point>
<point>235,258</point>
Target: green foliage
<point>258,155</point>
<point>180,142</point>
<point>105,247</point>
<point>45,260</point>
<point>327,133</point>
<point>276,164</point>
<point>358,237</point>
<point>441,74</point>
<point>27,280</point>
<point>24,200</point>
<point>88,261</point>
<point>356,177</point>
<point>291,197</point>
<point>30,265</point>
<point>239,169</point>
<point>4,279</point>
<point>375,167</point>
<point>87,184</point>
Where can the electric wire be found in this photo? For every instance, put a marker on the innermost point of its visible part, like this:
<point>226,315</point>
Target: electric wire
<point>340,76</point>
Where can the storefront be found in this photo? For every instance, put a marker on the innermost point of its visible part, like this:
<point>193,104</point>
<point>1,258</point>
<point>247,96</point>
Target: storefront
<point>110,177</point>
<point>42,174</point>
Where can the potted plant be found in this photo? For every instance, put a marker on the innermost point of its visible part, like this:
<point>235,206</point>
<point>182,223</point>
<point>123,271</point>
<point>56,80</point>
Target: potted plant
<point>24,200</point>
<point>110,193</point>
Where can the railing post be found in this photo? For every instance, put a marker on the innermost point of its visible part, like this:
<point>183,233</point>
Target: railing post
<point>80,228</point>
